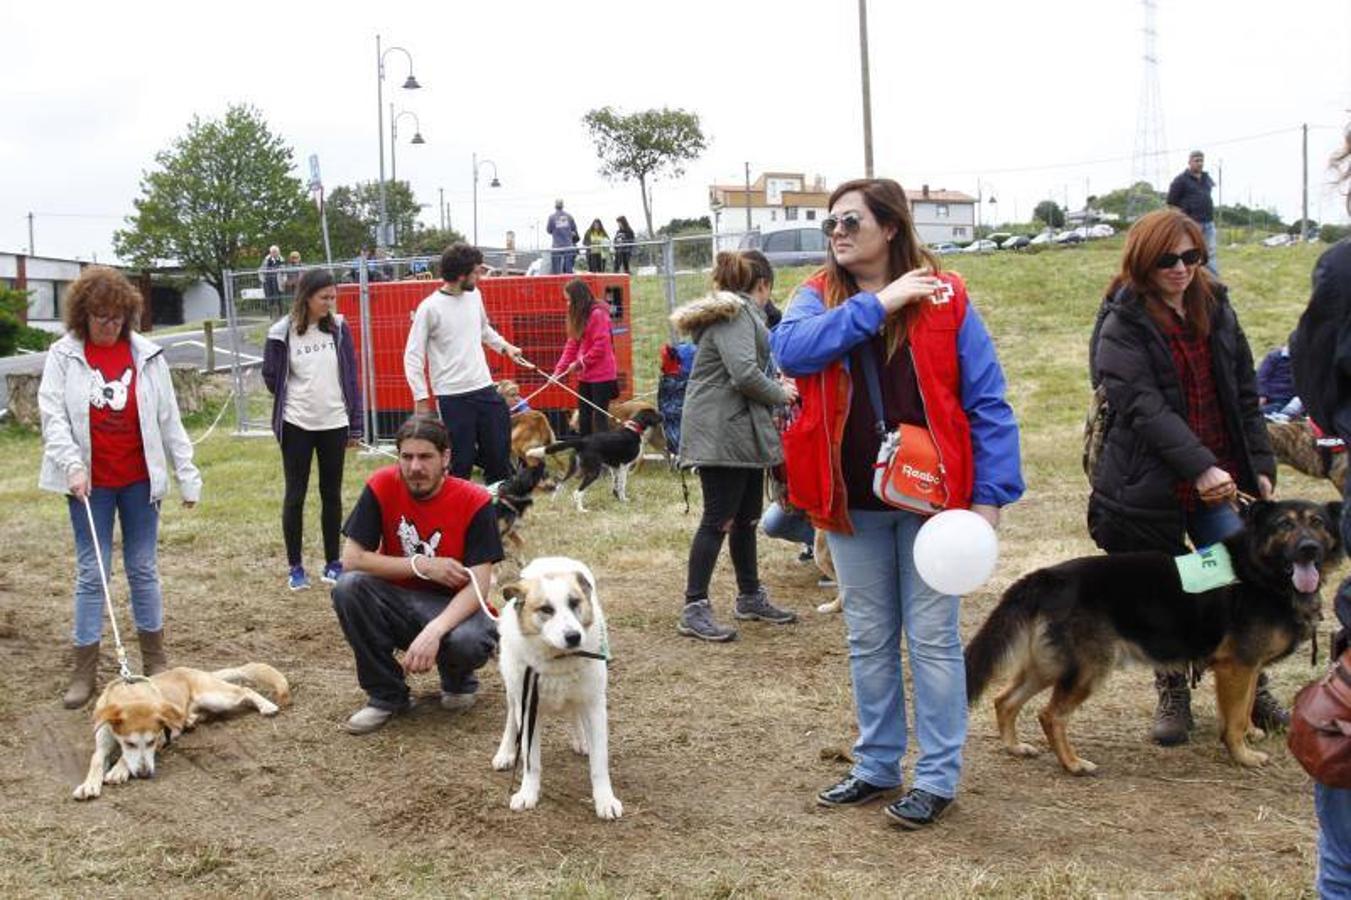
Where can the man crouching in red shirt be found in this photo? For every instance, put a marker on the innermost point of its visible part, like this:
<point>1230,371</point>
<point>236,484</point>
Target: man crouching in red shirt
<point>412,540</point>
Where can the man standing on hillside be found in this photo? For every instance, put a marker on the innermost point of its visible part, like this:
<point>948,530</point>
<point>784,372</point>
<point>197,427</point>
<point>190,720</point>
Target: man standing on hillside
<point>564,230</point>
<point>450,330</point>
<point>1190,192</point>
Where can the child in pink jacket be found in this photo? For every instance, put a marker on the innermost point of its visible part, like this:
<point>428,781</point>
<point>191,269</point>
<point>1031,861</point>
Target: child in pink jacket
<point>590,353</point>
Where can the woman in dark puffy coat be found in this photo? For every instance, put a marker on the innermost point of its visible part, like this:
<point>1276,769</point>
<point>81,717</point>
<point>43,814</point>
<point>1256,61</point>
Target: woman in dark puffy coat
<point>1186,430</point>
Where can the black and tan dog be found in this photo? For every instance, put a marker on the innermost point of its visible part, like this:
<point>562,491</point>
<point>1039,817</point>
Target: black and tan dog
<point>593,453</point>
<point>1065,627</point>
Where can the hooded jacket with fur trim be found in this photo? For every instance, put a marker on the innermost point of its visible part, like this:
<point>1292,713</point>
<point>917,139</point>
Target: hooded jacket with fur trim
<point>728,418</point>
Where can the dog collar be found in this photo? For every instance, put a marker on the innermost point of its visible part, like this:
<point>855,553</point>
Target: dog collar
<point>1206,569</point>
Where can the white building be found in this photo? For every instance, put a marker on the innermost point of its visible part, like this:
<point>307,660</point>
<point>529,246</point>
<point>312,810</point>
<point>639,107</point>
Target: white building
<point>773,199</point>
<point>943,215</point>
<point>173,297</point>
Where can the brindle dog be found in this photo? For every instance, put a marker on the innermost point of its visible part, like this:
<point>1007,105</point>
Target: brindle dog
<point>1065,627</point>
<point>1297,446</point>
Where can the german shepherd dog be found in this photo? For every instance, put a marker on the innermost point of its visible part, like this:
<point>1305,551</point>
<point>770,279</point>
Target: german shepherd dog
<point>1065,627</point>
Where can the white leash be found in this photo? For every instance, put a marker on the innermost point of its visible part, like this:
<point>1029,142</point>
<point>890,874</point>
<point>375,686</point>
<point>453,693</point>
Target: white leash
<point>478,592</point>
<point>225,404</point>
<point>549,379</point>
<point>122,666</point>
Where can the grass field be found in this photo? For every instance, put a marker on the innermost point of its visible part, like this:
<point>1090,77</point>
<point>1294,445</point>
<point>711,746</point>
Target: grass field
<point>716,750</point>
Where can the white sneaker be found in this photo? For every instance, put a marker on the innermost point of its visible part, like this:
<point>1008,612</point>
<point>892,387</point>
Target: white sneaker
<point>456,703</point>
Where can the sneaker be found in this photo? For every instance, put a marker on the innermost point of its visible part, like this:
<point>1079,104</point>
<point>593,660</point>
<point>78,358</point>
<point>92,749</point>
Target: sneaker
<point>370,718</point>
<point>757,606</point>
<point>850,791</point>
<point>807,555</point>
<point>456,703</point>
<point>332,572</point>
<point>696,621</point>
<point>918,808</point>
<point>298,580</point>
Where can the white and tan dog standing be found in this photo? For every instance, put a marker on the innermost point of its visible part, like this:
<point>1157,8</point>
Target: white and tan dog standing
<point>553,617</point>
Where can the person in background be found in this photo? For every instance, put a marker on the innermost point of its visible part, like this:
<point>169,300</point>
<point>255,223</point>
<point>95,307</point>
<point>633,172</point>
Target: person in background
<point>292,278</point>
<point>880,305</point>
<point>450,329</point>
<point>1321,350</point>
<point>595,240</point>
<point>272,291</point>
<point>623,243</point>
<point>1190,192</point>
<point>563,227</point>
<point>1276,386</point>
<point>590,353</point>
<point>727,434</point>
<point>111,433</point>
<point>309,365</point>
<point>1186,433</point>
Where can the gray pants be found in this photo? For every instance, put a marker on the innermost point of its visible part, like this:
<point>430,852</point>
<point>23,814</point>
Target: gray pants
<point>378,617</point>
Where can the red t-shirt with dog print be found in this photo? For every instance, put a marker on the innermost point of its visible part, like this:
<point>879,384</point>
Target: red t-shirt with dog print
<point>457,522</point>
<point>118,453</point>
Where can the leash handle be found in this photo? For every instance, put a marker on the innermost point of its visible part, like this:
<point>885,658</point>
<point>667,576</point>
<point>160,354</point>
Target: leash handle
<point>124,669</point>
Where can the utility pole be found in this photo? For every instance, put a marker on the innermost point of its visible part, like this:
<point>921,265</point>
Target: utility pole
<point>441,193</point>
<point>867,89</point>
<point>747,196</point>
<point>30,223</point>
<point>1304,218</point>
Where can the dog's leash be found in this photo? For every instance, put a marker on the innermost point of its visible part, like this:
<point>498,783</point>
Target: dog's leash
<point>124,670</point>
<point>550,379</point>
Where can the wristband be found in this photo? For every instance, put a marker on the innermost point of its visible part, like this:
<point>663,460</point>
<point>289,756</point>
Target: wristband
<point>412,562</point>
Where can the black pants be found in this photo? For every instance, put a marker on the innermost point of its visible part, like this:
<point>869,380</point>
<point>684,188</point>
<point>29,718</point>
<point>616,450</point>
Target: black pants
<point>298,447</point>
<point>480,433</point>
<point>589,418</point>
<point>622,260</point>
<point>379,617</point>
<point>595,262</point>
<point>732,499</point>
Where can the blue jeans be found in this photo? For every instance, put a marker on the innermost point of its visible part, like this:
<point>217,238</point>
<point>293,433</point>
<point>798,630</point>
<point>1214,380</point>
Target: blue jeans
<point>140,535</point>
<point>1333,806</point>
<point>1212,263</point>
<point>776,522</point>
<point>1208,525</point>
<point>883,595</point>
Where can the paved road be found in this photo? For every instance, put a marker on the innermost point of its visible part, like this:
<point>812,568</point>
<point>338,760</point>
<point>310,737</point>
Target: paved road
<point>183,349</point>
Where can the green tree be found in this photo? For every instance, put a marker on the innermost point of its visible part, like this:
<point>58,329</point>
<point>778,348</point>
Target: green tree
<point>1135,200</point>
<point>1049,211</point>
<point>690,253</point>
<point>431,241</point>
<point>354,215</point>
<point>644,146</point>
<point>223,190</point>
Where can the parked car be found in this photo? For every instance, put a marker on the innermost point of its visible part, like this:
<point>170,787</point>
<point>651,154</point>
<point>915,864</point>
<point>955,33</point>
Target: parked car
<point>999,237</point>
<point>1068,237</point>
<point>1017,242</point>
<point>1045,237</point>
<point>1101,230</point>
<point>1278,240</point>
<point>794,245</point>
<point>984,245</point>
<point>945,247</point>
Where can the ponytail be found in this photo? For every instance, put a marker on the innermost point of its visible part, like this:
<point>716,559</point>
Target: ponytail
<point>732,272</point>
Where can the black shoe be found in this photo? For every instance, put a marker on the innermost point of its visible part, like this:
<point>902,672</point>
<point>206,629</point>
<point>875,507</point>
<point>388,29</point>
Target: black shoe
<point>1267,712</point>
<point>918,808</point>
<point>850,791</point>
<point>807,555</point>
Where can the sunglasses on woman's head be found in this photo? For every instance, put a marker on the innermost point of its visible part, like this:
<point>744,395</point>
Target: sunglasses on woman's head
<point>850,221</point>
<point>1189,258</point>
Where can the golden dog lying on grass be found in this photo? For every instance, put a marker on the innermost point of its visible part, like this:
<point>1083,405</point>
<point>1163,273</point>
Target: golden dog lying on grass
<point>139,717</point>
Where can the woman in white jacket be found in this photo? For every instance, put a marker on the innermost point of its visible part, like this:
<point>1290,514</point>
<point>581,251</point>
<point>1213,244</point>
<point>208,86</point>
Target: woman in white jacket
<point>111,431</point>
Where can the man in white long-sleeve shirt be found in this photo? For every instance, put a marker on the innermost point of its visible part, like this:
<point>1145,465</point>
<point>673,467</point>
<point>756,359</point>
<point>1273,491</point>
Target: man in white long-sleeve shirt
<point>450,330</point>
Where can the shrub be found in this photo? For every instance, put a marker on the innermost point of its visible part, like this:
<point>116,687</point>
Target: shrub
<point>12,305</point>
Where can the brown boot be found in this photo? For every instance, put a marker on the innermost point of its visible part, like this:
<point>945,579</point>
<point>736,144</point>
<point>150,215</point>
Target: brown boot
<point>153,660</point>
<point>82,679</point>
<point>1173,717</point>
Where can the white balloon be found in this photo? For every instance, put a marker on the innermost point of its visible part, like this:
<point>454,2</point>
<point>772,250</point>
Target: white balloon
<point>956,552</point>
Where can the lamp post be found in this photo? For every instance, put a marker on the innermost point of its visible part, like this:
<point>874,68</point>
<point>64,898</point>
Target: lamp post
<point>980,201</point>
<point>393,142</point>
<point>410,84</point>
<point>494,183</point>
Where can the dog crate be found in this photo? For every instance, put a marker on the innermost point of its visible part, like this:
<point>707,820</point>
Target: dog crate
<point>530,312</point>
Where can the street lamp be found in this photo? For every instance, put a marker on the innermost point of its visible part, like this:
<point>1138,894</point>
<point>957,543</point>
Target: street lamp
<point>393,142</point>
<point>980,200</point>
<point>409,84</point>
<point>494,183</point>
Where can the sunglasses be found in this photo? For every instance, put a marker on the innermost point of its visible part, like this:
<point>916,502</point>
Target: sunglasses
<point>1189,258</point>
<point>114,319</point>
<point>850,221</point>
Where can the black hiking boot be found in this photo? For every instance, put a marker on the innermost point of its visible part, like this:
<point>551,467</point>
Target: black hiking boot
<point>1173,717</point>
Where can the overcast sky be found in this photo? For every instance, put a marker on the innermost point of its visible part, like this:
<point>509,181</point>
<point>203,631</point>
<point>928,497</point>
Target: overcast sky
<point>1032,99</point>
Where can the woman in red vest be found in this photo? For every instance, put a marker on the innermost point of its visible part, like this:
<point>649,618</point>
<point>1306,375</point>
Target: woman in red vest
<point>880,305</point>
